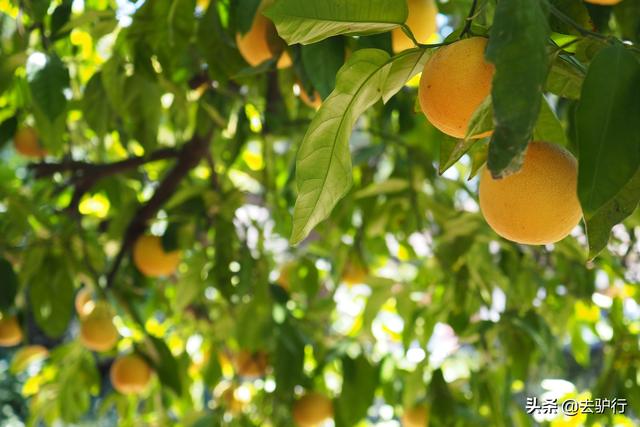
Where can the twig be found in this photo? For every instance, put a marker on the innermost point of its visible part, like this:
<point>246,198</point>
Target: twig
<point>568,20</point>
<point>190,155</point>
<point>86,175</point>
<point>469,19</point>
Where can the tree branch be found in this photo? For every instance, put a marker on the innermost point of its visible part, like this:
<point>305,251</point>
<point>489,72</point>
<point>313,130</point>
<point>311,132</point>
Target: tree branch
<point>189,157</point>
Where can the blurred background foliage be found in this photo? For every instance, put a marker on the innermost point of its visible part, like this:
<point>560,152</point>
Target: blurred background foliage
<point>403,297</point>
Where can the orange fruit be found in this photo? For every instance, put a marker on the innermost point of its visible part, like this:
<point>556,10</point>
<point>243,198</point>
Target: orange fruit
<point>354,273</point>
<point>26,143</point>
<point>422,23</point>
<point>604,2</point>
<point>539,204</point>
<point>312,409</point>
<point>417,416</point>
<point>10,332</point>
<point>256,45</point>
<point>97,331</point>
<point>130,374</point>
<point>151,259</point>
<point>251,364</point>
<point>454,82</point>
<point>315,103</point>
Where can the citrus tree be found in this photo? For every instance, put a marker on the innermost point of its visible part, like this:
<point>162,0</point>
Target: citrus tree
<point>278,213</point>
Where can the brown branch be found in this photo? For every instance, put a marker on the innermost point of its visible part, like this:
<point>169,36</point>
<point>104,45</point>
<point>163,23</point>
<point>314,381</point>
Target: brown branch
<point>189,157</point>
<point>44,169</point>
<point>85,175</point>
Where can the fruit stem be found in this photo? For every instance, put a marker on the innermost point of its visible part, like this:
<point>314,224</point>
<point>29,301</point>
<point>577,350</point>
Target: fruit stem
<point>469,19</point>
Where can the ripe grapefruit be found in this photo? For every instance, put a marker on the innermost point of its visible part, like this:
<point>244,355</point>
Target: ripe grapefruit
<point>151,259</point>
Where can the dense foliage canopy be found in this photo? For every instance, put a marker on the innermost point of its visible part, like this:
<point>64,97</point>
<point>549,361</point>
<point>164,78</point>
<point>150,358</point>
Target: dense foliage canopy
<point>234,212</point>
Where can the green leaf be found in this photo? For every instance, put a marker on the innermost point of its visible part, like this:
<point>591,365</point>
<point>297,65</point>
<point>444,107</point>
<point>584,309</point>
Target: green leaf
<point>51,296</point>
<point>60,18</point>
<point>8,130</point>
<point>289,360</point>
<point>452,150</point>
<point>360,379</point>
<point>48,77</point>
<point>548,127</point>
<point>165,365</point>
<point>143,107</point>
<point>404,66</point>
<point>96,111</point>
<point>323,166</point>
<point>574,9</point>
<point>627,14</point>
<point>608,142</point>
<point>482,119</point>
<point>310,21</point>
<point>8,285</point>
<point>565,78</point>
<point>517,47</point>
<point>322,61</point>
<point>613,212</point>
<point>389,186</point>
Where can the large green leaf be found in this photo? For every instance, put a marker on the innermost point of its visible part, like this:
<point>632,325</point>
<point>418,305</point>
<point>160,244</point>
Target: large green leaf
<point>143,107</point>
<point>323,167</point>
<point>310,21</point>
<point>565,78</point>
<point>617,209</point>
<point>48,78</point>
<point>608,142</point>
<point>517,47</point>
<point>8,284</point>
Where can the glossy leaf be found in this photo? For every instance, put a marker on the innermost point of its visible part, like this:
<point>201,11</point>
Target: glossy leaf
<point>517,47</point>
<point>404,67</point>
<point>48,78</point>
<point>604,132</point>
<point>311,21</point>
<point>324,162</point>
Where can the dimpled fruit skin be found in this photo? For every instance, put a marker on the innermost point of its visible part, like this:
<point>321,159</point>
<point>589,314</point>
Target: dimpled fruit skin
<point>10,332</point>
<point>151,259</point>
<point>422,22</point>
<point>539,204</point>
<point>312,409</point>
<point>254,45</point>
<point>455,81</point>
<point>415,417</point>
<point>130,374</point>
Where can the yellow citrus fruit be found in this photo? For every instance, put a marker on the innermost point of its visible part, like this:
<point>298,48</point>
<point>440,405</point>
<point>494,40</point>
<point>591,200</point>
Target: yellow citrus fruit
<point>417,416</point>
<point>454,82</point>
<point>84,302</point>
<point>312,409</point>
<point>539,204</point>
<point>10,332</point>
<point>354,273</point>
<point>130,374</point>
<point>251,364</point>
<point>422,23</point>
<point>27,356</point>
<point>604,2</point>
<point>151,259</point>
<point>97,331</point>
<point>314,103</point>
<point>26,143</point>
<point>284,277</point>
